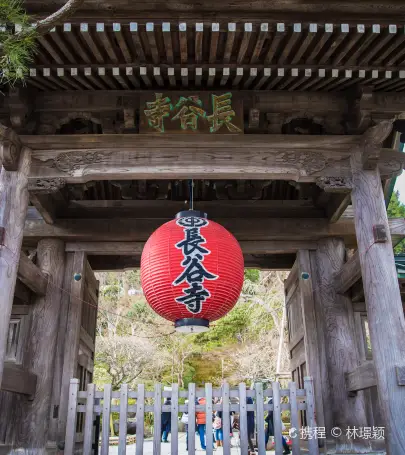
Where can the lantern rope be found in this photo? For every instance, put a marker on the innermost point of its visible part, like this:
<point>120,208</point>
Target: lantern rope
<point>191,186</point>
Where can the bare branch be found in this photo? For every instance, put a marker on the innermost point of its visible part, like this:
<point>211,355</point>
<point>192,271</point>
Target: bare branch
<point>45,25</point>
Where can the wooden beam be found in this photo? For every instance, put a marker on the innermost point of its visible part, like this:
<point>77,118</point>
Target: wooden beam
<point>135,248</point>
<point>81,158</point>
<point>18,380</point>
<point>126,262</point>
<point>168,209</point>
<point>359,307</point>
<point>32,276</point>
<point>349,274</point>
<point>362,377</point>
<point>136,230</point>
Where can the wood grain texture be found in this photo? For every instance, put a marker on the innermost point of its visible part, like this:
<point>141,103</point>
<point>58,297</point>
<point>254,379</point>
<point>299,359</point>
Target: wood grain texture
<point>81,158</point>
<point>314,355</point>
<point>260,419</point>
<point>226,419</point>
<point>13,209</point>
<point>349,274</point>
<point>18,380</point>
<point>72,338</point>
<point>32,276</point>
<point>383,299</point>
<point>336,323</point>
<point>60,347</point>
<point>41,342</point>
<point>362,377</point>
<point>136,230</point>
<point>167,208</point>
<point>133,248</point>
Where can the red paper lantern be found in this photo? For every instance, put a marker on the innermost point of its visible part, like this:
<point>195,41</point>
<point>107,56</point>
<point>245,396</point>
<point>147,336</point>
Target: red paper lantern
<point>192,271</point>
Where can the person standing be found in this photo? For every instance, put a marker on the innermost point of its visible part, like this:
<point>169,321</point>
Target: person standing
<point>218,429</point>
<point>184,419</point>
<point>166,421</point>
<point>250,425</point>
<point>270,430</point>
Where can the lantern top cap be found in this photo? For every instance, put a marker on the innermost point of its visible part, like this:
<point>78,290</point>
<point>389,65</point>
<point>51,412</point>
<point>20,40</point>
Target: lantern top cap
<point>196,213</point>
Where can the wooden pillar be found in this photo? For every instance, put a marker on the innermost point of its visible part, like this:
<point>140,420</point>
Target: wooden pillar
<point>13,209</point>
<point>72,338</point>
<point>314,348</point>
<point>335,325</point>
<point>382,295</point>
<point>41,343</point>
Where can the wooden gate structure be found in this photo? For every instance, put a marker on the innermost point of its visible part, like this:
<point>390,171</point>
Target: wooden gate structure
<point>231,401</point>
<point>287,117</point>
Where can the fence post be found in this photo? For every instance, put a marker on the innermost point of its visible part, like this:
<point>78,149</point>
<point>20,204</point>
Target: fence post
<point>140,418</point>
<point>122,439</point>
<point>191,419</point>
<point>278,430</point>
<point>174,419</point>
<point>310,408</point>
<point>88,422</point>
<point>243,419</point>
<point>208,417</point>
<point>294,419</point>
<point>261,443</point>
<point>70,438</point>
<point>157,416</point>
<point>105,438</point>
<point>226,418</point>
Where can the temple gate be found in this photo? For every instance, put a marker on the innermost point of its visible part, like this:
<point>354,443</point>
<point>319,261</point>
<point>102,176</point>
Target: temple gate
<point>288,125</point>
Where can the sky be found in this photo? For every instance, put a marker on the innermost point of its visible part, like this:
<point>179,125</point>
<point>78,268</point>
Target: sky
<point>400,186</point>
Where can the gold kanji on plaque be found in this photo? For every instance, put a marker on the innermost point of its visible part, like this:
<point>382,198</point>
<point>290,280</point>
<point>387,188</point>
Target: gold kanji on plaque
<point>157,111</point>
<point>222,114</point>
<point>188,115</point>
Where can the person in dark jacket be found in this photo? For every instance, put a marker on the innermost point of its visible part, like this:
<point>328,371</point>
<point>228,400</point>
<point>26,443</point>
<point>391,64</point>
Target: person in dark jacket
<point>166,422</point>
<point>270,430</point>
<point>250,424</point>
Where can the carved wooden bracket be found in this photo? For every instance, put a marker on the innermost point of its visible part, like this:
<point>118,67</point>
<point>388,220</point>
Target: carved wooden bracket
<point>46,186</point>
<point>335,184</point>
<point>10,148</point>
<point>372,141</point>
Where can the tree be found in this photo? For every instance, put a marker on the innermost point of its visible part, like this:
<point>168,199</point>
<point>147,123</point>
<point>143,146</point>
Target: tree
<point>396,210</point>
<point>18,34</point>
<point>126,359</point>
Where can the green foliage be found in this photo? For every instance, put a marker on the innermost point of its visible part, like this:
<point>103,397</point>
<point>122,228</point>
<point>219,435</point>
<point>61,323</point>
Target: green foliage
<point>17,41</point>
<point>396,210</point>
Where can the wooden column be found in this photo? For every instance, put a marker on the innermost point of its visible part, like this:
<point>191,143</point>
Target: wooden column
<point>72,338</point>
<point>335,325</point>
<point>41,342</point>
<point>314,348</point>
<point>13,209</point>
<point>383,300</point>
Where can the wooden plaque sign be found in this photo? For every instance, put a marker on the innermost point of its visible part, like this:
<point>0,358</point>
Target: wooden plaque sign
<point>189,112</point>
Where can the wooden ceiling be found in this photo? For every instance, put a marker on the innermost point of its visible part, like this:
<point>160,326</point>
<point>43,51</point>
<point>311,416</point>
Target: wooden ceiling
<point>88,54</point>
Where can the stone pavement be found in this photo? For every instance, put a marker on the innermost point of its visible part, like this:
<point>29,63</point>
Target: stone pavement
<point>148,447</point>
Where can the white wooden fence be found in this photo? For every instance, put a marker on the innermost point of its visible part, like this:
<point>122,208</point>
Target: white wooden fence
<point>98,403</point>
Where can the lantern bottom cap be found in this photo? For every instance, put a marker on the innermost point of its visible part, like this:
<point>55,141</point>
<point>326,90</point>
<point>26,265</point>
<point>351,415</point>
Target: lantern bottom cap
<point>192,325</point>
